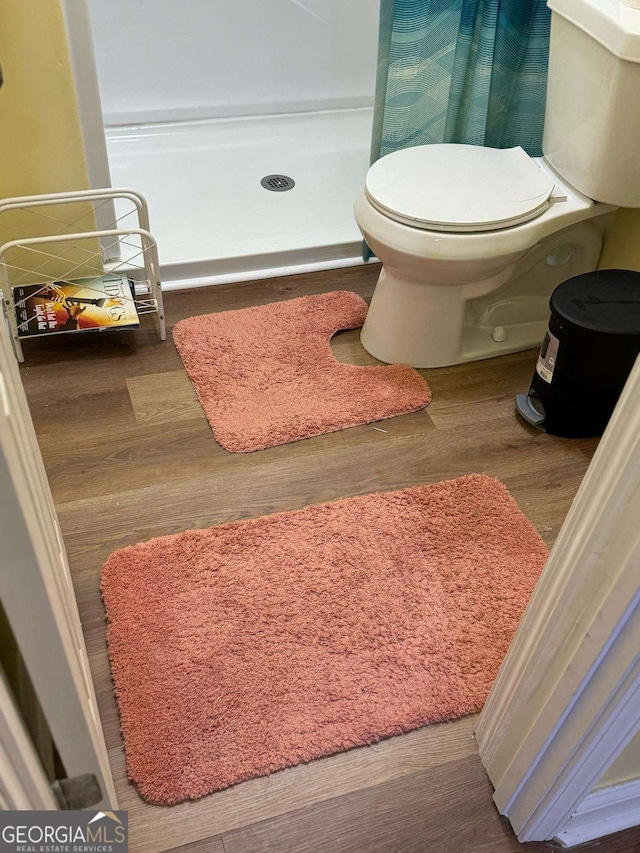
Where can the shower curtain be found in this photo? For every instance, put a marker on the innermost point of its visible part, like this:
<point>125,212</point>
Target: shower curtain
<point>470,71</point>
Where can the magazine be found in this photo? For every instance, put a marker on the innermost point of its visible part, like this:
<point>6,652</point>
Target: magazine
<point>79,306</point>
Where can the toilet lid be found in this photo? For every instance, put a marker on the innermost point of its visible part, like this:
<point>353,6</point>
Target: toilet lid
<point>458,187</point>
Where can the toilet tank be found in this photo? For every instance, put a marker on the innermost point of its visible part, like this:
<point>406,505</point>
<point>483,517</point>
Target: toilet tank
<point>592,119</point>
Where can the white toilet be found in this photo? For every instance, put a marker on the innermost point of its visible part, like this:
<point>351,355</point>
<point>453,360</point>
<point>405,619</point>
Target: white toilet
<point>474,240</point>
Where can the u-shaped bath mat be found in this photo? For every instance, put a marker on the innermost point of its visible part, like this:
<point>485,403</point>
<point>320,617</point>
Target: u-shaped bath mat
<point>266,375</point>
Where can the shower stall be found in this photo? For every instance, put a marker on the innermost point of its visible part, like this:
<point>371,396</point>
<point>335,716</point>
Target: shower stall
<point>247,126</point>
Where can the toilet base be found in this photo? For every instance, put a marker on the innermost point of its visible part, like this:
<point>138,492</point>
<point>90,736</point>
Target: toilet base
<point>400,314</point>
<point>428,325</point>
<point>410,322</point>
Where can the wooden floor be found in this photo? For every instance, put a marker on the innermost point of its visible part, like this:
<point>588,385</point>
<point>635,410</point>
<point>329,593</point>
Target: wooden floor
<point>130,456</point>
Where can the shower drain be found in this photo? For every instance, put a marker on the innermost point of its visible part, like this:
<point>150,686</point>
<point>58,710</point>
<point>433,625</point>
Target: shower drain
<point>277,183</point>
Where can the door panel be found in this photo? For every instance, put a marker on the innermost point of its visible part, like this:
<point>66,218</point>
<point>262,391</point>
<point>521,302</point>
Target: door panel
<point>37,592</point>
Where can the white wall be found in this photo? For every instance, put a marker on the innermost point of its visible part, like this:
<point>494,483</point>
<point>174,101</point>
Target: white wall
<point>162,60</point>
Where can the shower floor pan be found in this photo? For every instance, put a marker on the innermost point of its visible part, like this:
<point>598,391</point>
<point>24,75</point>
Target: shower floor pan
<point>213,219</point>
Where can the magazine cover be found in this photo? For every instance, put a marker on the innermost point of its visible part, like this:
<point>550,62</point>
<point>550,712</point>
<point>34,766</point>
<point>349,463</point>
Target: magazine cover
<point>92,303</point>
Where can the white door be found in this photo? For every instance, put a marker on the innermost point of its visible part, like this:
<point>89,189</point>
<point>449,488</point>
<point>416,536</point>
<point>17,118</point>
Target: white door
<point>566,701</point>
<point>38,601</point>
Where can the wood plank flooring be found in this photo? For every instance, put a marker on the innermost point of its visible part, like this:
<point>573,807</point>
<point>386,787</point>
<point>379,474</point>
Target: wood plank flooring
<point>130,455</point>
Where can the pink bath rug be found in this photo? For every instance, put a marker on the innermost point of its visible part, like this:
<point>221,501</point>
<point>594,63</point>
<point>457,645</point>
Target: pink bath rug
<point>256,645</point>
<point>266,375</point>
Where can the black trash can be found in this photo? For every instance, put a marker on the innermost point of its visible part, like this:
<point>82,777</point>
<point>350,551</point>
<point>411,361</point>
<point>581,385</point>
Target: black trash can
<point>591,345</point>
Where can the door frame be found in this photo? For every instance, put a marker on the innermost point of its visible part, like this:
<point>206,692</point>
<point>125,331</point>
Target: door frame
<point>37,592</point>
<point>564,704</point>
<point>84,71</point>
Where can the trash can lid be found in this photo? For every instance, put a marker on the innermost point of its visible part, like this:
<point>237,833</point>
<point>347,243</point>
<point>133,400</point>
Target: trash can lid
<point>602,301</point>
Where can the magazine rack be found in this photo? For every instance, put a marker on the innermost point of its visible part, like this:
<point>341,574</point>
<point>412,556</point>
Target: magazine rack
<point>113,251</point>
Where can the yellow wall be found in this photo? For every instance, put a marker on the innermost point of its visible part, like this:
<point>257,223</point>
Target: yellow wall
<point>622,242</point>
<point>41,145</point>
<point>625,768</point>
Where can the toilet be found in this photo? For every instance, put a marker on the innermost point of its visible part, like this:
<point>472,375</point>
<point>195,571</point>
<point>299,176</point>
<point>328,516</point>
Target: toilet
<point>474,240</point>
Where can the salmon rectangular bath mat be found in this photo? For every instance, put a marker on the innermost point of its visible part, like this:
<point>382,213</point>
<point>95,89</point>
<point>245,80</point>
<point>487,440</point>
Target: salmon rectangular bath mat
<point>266,375</point>
<point>260,644</point>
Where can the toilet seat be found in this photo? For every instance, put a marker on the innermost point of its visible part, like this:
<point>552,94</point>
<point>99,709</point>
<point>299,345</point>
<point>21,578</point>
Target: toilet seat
<point>459,188</point>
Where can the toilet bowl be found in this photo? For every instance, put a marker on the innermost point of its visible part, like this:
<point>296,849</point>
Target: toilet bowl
<point>474,240</point>
<point>453,224</point>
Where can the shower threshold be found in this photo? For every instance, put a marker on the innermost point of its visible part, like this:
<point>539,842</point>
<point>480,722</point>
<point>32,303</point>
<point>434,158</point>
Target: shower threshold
<point>214,220</point>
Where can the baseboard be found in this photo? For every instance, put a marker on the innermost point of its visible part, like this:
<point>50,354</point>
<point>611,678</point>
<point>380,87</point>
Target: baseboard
<point>185,278</point>
<point>602,813</point>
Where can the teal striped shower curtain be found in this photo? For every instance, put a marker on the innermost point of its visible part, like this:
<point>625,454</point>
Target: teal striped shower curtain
<point>470,71</point>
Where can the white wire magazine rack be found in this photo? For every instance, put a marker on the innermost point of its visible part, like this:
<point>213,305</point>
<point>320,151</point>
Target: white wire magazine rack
<point>73,252</point>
